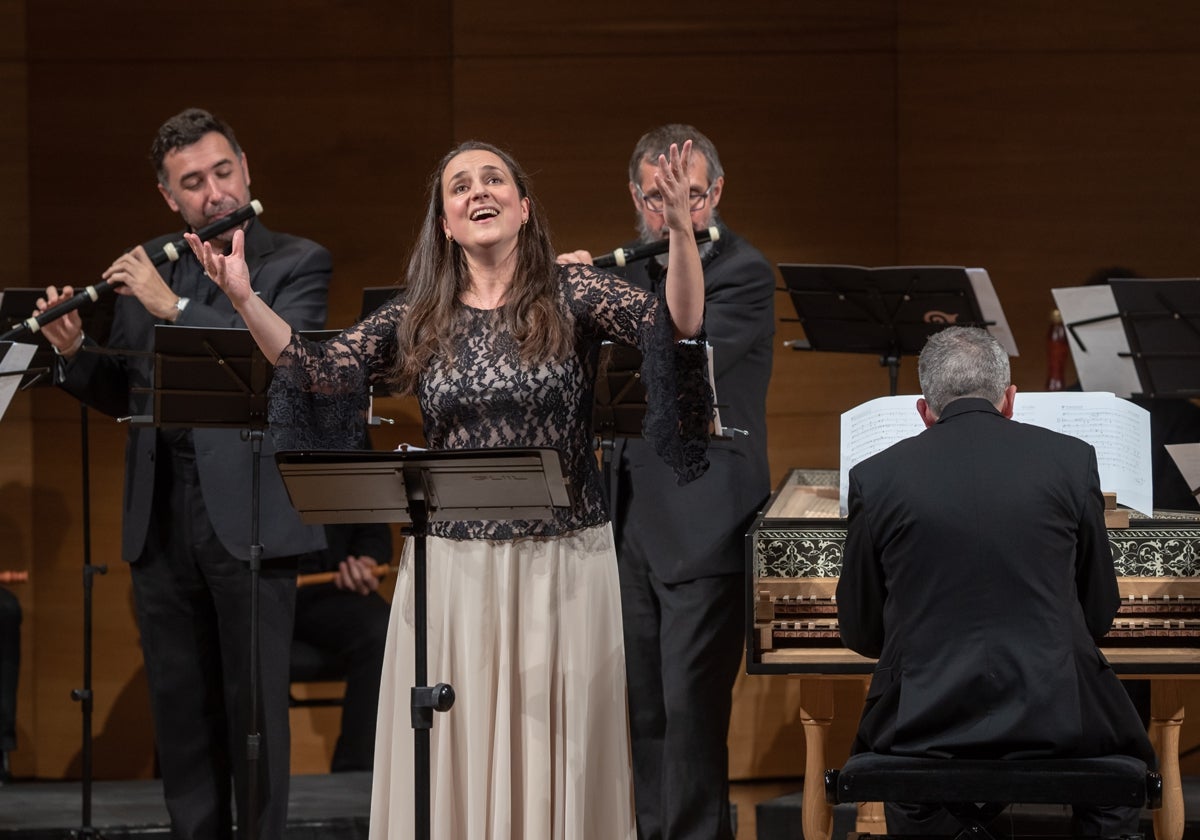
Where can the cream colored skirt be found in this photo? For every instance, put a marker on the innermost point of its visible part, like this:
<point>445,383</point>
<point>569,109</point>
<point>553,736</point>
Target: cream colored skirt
<point>537,745</point>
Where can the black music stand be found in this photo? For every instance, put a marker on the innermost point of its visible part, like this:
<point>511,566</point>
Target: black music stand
<point>16,304</point>
<point>375,297</point>
<point>25,372</point>
<point>19,367</point>
<point>1162,324</point>
<point>419,487</point>
<point>619,405</point>
<point>885,311</point>
<point>619,402</point>
<point>218,378</point>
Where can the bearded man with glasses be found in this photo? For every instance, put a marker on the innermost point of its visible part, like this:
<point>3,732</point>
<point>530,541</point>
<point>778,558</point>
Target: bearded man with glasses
<point>680,549</point>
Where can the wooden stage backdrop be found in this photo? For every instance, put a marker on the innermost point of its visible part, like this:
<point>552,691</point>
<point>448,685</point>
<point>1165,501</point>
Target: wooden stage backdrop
<point>1040,141</point>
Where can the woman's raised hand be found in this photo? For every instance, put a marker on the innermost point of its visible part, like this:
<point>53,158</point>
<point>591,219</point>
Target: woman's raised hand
<point>672,181</point>
<point>230,272</point>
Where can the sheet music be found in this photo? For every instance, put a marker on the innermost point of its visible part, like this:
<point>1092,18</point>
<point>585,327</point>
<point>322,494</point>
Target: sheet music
<point>1118,429</point>
<point>14,356</point>
<point>718,428</point>
<point>991,310</point>
<point>1099,366</point>
<point>1187,457</point>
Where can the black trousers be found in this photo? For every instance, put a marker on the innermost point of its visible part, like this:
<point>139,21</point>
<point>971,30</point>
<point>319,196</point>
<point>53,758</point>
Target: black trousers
<point>10,666</point>
<point>683,650</point>
<point>352,628</point>
<point>193,607</point>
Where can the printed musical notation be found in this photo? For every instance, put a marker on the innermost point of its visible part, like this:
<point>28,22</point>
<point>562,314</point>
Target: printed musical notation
<point>1118,429</point>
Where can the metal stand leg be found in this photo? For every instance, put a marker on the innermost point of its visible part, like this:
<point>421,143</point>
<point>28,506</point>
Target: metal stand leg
<point>425,699</point>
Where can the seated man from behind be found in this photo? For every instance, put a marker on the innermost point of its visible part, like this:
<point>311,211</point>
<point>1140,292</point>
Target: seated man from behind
<point>977,569</point>
<point>347,620</point>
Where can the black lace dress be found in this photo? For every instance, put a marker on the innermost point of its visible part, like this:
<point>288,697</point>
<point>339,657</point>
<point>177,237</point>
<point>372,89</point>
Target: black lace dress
<point>524,617</point>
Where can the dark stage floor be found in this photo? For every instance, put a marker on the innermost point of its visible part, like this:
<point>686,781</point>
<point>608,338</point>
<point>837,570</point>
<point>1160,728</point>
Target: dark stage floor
<point>329,807</point>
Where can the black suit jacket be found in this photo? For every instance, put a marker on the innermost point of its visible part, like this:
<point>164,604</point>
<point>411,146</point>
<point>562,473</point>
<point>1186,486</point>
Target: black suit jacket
<point>289,273</point>
<point>977,568</point>
<point>697,530</point>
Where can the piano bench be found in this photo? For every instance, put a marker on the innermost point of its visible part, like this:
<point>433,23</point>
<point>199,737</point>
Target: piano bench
<point>960,785</point>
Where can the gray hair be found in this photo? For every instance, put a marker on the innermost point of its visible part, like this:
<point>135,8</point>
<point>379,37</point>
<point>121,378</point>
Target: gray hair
<point>962,362</point>
<point>658,142</point>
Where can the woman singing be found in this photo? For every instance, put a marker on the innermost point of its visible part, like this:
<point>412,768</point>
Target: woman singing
<point>500,345</point>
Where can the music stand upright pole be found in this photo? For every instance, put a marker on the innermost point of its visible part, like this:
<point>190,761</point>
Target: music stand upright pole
<point>425,700</point>
<point>891,360</point>
<point>84,695</point>
<point>253,736</point>
<point>422,715</point>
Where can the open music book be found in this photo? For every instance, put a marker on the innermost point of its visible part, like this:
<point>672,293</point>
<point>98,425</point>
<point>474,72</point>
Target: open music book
<point>1118,429</point>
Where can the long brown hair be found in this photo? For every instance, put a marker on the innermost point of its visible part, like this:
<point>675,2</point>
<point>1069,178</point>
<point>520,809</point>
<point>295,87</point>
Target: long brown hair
<point>438,274</point>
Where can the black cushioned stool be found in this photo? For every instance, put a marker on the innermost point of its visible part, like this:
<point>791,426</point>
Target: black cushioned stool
<point>960,785</point>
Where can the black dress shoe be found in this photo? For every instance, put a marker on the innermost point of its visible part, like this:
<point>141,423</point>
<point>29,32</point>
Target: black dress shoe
<point>5,773</point>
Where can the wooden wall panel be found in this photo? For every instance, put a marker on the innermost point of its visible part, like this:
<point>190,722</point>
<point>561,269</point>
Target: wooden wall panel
<point>14,203</point>
<point>16,425</point>
<point>12,33</point>
<point>1043,167</point>
<point>809,175</point>
<point>704,28</point>
<point>16,516</point>
<point>1030,26</point>
<point>225,31</point>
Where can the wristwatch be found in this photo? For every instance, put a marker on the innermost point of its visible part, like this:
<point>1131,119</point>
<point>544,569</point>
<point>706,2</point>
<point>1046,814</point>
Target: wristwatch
<point>180,305</point>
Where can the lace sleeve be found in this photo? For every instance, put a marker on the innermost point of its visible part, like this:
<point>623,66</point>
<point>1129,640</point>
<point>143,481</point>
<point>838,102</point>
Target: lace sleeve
<point>679,401</point>
<point>319,395</point>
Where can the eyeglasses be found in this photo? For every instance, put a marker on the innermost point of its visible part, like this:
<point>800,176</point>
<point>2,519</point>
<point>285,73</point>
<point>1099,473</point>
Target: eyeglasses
<point>654,201</point>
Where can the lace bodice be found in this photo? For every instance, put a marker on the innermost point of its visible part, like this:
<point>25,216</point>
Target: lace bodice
<point>487,397</point>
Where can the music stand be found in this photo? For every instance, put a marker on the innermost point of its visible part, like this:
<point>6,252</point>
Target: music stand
<point>619,401</point>
<point>619,404</point>
<point>216,377</point>
<point>16,304</point>
<point>375,297</point>
<point>1162,323</point>
<point>419,487</point>
<point>886,311</point>
<point>14,362</point>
